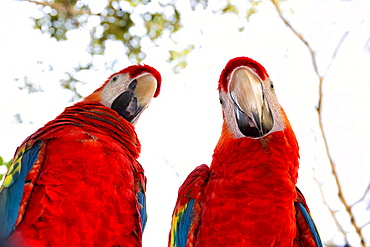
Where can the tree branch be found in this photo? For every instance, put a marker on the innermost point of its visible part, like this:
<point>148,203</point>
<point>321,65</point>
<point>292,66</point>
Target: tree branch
<point>363,196</point>
<point>319,113</point>
<point>336,52</point>
<point>332,212</point>
<point>61,7</point>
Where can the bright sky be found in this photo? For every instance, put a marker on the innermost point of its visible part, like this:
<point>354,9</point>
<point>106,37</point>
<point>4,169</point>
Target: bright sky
<point>181,127</point>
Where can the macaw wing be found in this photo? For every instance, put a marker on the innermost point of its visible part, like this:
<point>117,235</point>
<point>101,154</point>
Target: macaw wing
<point>140,185</point>
<point>185,217</point>
<point>17,185</point>
<point>142,203</point>
<point>307,234</point>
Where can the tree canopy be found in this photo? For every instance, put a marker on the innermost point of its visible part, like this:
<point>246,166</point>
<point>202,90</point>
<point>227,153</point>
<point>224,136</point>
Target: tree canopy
<point>125,21</point>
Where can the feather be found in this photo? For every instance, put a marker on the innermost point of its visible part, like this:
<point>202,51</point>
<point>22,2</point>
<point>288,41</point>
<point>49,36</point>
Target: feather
<point>185,218</point>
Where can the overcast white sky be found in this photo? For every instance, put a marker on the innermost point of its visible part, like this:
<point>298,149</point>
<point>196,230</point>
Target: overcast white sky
<point>181,127</point>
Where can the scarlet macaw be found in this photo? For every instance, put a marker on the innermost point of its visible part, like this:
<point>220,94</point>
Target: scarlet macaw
<point>76,181</point>
<point>248,196</point>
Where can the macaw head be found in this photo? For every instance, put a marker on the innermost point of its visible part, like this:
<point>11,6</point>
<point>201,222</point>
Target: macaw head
<point>129,91</point>
<point>250,106</point>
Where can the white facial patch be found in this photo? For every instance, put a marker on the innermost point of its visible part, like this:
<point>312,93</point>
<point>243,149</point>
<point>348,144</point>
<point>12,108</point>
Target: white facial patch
<point>116,85</point>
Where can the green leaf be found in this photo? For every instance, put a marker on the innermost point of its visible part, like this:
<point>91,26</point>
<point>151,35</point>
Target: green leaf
<point>30,86</point>
<point>157,23</point>
<point>195,3</point>
<point>253,8</point>
<point>178,58</point>
<point>7,164</point>
<point>230,8</point>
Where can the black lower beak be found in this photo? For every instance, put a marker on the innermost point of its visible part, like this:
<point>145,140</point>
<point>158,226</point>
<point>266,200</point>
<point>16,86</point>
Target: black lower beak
<point>245,124</point>
<point>127,105</point>
<point>250,125</point>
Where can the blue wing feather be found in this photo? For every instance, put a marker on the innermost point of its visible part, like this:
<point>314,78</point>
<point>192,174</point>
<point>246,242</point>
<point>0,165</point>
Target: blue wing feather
<point>185,217</point>
<point>11,191</point>
<point>310,223</point>
<point>185,220</point>
<point>142,203</point>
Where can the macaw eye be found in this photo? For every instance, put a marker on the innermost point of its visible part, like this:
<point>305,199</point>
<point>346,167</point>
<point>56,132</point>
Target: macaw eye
<point>114,79</point>
<point>222,102</point>
<point>272,86</point>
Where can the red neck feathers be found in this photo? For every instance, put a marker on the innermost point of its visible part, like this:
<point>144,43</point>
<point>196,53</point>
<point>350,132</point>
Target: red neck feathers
<point>93,117</point>
<point>277,151</point>
<point>248,200</point>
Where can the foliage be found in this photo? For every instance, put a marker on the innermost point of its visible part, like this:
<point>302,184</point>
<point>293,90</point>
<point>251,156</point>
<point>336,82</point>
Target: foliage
<point>114,21</point>
<point>179,58</point>
<point>120,20</point>
<point>29,86</point>
<point>71,81</point>
<point>3,163</point>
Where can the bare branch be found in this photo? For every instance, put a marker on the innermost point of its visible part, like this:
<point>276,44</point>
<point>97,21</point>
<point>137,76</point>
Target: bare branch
<point>365,225</point>
<point>332,212</point>
<point>336,52</point>
<point>60,7</point>
<point>287,23</point>
<point>363,196</point>
<point>319,113</point>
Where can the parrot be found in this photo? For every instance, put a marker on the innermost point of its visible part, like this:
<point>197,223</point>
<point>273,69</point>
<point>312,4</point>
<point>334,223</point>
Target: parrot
<point>76,181</point>
<point>248,195</point>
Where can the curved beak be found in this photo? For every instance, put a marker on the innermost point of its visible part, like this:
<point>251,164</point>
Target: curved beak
<point>131,103</point>
<point>251,108</point>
